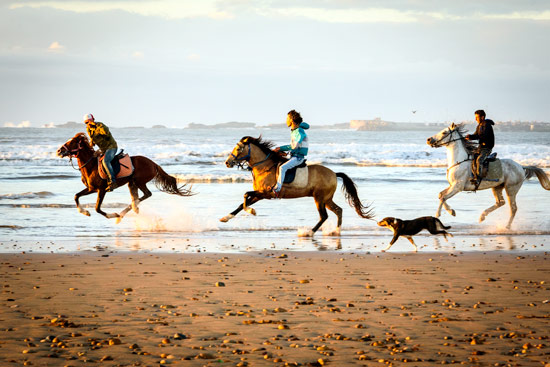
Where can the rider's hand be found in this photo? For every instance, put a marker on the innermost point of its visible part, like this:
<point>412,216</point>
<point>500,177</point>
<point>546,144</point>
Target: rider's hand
<point>277,150</point>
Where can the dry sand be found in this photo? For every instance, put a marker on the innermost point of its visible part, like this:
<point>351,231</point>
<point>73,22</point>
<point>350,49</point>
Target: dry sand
<point>275,309</point>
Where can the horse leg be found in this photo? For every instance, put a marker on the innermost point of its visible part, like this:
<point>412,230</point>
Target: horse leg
<point>322,213</point>
<point>511,192</point>
<point>100,197</point>
<point>77,196</point>
<point>248,200</point>
<point>338,211</point>
<point>497,192</point>
<point>134,193</point>
<point>445,195</point>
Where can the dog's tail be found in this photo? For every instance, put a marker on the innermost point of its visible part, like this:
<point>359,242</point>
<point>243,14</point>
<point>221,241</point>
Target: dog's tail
<point>441,224</point>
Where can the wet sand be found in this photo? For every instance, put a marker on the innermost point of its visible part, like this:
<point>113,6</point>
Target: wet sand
<point>275,309</point>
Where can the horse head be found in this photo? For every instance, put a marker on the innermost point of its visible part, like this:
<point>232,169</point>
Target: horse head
<point>253,151</point>
<point>73,146</point>
<point>445,136</point>
<point>239,154</point>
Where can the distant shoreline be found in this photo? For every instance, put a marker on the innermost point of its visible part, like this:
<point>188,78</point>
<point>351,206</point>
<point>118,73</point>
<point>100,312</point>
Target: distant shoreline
<point>357,125</point>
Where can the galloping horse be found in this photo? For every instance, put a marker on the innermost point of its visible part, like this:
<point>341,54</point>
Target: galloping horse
<point>321,185</point>
<point>145,170</point>
<point>459,157</point>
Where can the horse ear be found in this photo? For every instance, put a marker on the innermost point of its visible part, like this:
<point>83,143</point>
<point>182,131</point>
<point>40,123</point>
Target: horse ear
<point>245,139</point>
<point>453,126</point>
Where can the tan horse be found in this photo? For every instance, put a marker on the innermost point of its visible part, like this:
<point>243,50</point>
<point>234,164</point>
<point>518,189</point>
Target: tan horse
<point>322,182</point>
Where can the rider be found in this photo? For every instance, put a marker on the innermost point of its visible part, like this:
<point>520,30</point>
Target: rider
<point>101,136</point>
<point>298,147</point>
<point>484,133</point>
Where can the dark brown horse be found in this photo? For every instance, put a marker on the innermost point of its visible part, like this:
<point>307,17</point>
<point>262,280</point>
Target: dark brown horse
<point>321,185</point>
<point>145,170</point>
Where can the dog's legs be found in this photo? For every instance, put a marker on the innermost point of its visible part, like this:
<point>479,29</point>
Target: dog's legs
<point>497,192</point>
<point>414,244</point>
<point>395,237</point>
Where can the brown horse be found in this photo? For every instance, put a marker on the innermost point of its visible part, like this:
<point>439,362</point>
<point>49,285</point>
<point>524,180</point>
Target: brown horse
<point>145,170</point>
<point>322,182</point>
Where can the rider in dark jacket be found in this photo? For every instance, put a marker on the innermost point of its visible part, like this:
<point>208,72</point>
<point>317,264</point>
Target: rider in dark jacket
<point>484,133</point>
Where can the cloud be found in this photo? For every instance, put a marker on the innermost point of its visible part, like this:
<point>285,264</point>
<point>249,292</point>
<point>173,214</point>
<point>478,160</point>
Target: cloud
<point>56,47</point>
<point>21,124</point>
<point>329,11</point>
<point>169,9</point>
<point>525,15</point>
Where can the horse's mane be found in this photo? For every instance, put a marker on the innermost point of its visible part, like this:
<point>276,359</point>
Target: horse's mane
<point>84,137</point>
<point>266,146</point>
<point>470,146</point>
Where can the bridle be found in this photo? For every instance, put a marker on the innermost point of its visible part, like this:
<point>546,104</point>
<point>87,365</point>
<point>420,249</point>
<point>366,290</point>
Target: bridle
<point>440,142</point>
<point>243,162</point>
<point>74,153</point>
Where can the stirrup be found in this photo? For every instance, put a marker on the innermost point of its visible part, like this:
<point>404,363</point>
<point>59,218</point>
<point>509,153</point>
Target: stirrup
<point>111,186</point>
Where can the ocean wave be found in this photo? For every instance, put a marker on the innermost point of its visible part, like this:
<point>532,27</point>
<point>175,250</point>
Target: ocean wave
<point>62,206</point>
<point>27,195</point>
<point>191,178</point>
<point>40,177</point>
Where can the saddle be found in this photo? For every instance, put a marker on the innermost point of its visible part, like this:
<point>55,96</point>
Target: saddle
<point>297,176</point>
<point>492,168</point>
<point>121,163</point>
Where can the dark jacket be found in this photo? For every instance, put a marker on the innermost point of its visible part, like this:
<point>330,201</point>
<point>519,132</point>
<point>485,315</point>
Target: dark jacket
<point>484,133</point>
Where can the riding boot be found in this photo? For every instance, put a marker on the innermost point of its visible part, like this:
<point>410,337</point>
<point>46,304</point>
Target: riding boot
<point>111,185</point>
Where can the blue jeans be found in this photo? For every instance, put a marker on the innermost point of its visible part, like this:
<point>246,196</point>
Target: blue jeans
<point>107,158</point>
<point>292,162</point>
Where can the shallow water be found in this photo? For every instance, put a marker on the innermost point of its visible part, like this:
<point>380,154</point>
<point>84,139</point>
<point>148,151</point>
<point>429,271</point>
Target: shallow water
<point>397,172</point>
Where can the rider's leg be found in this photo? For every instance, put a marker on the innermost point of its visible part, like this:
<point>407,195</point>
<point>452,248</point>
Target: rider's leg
<point>483,154</point>
<point>292,162</point>
<point>107,158</point>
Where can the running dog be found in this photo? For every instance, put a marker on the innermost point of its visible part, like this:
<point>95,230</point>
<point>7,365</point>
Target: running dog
<point>408,228</point>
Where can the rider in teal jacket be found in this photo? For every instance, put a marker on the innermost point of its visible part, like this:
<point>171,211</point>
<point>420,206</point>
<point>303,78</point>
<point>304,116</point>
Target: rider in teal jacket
<point>298,147</point>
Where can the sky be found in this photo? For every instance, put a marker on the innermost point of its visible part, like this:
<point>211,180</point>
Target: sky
<point>173,62</point>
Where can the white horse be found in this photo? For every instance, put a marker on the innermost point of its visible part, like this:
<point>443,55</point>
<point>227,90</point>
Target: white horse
<point>459,160</point>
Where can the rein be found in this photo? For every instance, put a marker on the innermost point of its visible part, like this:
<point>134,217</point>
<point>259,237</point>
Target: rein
<point>74,153</point>
<point>439,144</point>
<point>457,163</point>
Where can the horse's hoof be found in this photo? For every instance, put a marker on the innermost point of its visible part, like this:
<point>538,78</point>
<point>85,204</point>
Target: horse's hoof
<point>86,213</point>
<point>453,213</point>
<point>481,218</point>
<point>251,211</point>
<point>226,218</point>
<point>117,221</point>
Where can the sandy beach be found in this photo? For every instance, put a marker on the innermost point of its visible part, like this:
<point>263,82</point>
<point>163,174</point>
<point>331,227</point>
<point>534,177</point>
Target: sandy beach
<point>275,308</point>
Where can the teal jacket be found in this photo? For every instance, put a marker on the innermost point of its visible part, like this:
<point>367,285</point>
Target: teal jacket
<point>298,142</point>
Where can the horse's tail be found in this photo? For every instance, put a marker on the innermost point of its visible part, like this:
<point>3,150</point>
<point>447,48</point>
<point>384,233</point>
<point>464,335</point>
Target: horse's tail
<point>350,192</point>
<point>169,184</point>
<point>531,171</point>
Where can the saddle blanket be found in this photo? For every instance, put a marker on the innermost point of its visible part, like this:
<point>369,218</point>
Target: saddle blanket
<point>297,177</point>
<point>122,166</point>
<point>493,172</point>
